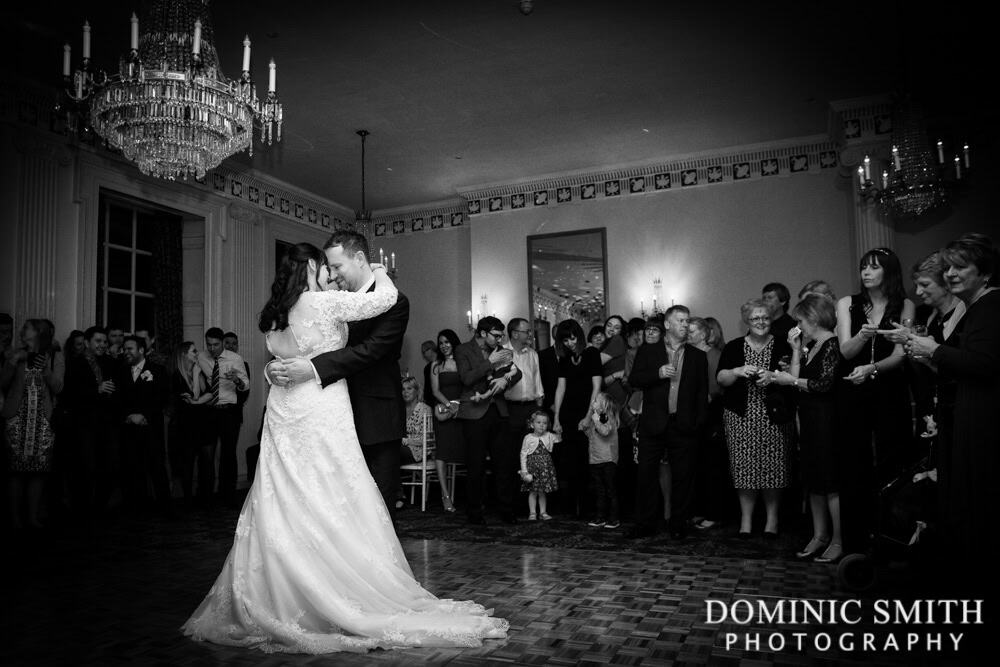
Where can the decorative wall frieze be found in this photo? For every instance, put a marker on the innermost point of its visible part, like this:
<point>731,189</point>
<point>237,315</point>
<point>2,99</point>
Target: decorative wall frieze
<point>808,155</point>
<point>417,219</point>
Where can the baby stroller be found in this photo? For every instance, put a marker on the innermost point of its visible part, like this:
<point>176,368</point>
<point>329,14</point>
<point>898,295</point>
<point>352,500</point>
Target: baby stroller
<point>903,530</point>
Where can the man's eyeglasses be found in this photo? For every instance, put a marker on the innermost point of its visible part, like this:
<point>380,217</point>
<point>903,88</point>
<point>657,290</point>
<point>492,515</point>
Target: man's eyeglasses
<point>496,334</point>
<point>522,331</point>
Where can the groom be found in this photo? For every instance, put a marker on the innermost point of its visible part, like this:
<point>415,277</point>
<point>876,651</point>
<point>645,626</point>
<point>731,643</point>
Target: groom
<point>369,362</point>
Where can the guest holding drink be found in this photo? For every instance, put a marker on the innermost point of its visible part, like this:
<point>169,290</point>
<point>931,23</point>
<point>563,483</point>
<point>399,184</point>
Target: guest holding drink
<point>968,464</point>
<point>758,445</point>
<point>876,398</point>
<point>446,386</point>
<point>817,377</point>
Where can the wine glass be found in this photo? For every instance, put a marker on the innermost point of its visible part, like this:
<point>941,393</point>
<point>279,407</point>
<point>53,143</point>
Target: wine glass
<point>919,330</point>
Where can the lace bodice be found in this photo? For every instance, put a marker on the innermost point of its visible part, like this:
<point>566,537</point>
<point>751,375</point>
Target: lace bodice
<point>317,323</point>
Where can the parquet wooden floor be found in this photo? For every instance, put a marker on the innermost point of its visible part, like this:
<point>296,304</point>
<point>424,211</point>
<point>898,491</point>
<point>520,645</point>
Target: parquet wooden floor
<point>117,594</point>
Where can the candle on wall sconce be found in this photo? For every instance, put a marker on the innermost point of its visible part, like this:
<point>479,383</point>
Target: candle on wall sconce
<point>940,146</point>
<point>381,256</point>
<point>468,314</point>
<point>965,152</point>
<point>393,257</point>
<point>885,179</point>
<point>958,168</point>
<point>868,168</point>
<point>861,176</point>
<point>895,158</point>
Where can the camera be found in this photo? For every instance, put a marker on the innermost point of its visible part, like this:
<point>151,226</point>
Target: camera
<point>603,417</point>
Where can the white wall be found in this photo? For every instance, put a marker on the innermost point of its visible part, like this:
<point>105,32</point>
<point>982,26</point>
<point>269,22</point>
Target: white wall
<point>714,247</point>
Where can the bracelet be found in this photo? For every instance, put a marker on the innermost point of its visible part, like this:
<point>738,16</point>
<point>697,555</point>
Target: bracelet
<point>874,374</point>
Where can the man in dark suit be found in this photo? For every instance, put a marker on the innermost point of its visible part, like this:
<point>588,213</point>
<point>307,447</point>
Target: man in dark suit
<point>91,398</point>
<point>143,395</point>
<point>673,377</point>
<point>487,371</point>
<point>369,362</point>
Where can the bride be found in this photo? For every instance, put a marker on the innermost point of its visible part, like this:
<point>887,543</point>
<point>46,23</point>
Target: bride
<point>315,565</point>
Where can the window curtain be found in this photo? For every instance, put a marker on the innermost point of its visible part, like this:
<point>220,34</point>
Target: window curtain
<point>167,279</point>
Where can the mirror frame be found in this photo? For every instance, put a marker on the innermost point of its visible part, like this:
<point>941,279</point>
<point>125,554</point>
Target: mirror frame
<point>603,231</point>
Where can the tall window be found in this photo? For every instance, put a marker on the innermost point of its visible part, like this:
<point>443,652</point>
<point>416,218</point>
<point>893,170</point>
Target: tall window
<point>125,281</point>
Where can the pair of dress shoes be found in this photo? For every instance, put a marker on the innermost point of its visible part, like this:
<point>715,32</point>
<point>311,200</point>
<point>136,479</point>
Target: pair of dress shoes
<point>821,551</point>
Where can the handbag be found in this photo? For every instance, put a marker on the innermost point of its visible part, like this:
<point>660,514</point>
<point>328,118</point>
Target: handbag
<point>780,404</point>
<point>445,411</point>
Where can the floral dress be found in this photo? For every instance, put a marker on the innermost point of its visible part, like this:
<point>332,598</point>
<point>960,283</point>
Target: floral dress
<point>536,458</point>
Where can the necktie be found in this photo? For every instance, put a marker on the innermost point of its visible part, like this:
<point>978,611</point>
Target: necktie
<point>215,383</point>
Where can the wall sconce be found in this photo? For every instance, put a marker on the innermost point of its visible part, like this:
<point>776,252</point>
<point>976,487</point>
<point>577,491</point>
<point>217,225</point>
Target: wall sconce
<point>657,300</point>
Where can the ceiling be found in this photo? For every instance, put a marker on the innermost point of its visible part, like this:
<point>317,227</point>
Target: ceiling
<point>458,93</point>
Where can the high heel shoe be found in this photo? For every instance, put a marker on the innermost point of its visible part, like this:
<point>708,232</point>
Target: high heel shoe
<point>449,506</point>
<point>832,554</point>
<point>813,549</point>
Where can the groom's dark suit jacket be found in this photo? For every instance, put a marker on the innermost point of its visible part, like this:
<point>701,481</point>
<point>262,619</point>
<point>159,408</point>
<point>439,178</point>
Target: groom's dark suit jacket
<point>370,362</point>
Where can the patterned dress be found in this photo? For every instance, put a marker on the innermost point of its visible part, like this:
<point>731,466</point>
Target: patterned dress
<point>539,463</point>
<point>758,449</point>
<point>29,433</point>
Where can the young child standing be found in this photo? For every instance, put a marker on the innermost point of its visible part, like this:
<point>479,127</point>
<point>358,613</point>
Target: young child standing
<point>602,436</point>
<point>538,473</point>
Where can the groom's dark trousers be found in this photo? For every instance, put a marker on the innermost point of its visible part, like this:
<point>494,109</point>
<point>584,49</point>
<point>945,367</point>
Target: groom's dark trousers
<point>370,363</point>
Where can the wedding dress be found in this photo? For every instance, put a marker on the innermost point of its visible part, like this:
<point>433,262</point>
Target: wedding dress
<point>316,566</point>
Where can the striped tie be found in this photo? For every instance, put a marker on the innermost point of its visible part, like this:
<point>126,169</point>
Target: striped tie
<point>215,383</point>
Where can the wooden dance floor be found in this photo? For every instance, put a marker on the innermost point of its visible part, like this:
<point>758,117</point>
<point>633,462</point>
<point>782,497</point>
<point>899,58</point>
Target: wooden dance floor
<point>118,593</point>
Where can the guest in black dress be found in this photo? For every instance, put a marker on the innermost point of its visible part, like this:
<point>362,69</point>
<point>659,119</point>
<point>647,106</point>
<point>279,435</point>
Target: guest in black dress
<point>876,399</point>
<point>446,387</point>
<point>578,386</point>
<point>817,378</point>
<point>968,467</point>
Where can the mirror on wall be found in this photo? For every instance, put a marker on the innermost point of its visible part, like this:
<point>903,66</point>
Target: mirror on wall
<point>567,279</point>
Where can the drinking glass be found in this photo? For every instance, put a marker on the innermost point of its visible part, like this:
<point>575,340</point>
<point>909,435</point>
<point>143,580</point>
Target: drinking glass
<point>919,330</point>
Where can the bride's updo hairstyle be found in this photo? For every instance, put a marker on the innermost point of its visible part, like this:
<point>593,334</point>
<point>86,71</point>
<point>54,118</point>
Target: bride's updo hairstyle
<point>291,280</point>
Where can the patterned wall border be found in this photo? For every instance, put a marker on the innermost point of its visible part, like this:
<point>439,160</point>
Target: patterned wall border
<point>861,120</point>
<point>419,220</point>
<point>751,164</point>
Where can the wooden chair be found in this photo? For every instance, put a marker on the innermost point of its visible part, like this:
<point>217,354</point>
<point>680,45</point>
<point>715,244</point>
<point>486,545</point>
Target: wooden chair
<point>423,472</point>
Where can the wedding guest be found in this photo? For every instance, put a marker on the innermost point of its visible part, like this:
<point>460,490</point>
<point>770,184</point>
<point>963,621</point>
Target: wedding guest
<point>116,337</point>
<point>231,342</point>
<point>538,472</point>
<point>153,353</point>
<point>30,379</point>
<point>613,355</point>
<point>188,423</point>
<point>579,383</point>
<point>548,366</point>
<point>486,369</point>
<point>428,350</point>
<point>144,390</point>
<point>227,376</point>
<point>876,398</point>
<point>75,346</point>
<point>527,395</point>
<point>713,490</point>
<point>602,448</point>
<point>776,297</point>
<point>817,287</point>
<point>758,444</point>
<point>673,377</point>
<point>934,392</point>
<point>416,411</point>
<point>967,467</point>
<point>91,397</point>
<point>817,378</point>
<point>446,385</point>
<point>595,337</point>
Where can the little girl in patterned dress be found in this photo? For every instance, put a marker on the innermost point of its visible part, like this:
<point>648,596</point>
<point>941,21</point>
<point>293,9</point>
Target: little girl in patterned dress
<point>538,473</point>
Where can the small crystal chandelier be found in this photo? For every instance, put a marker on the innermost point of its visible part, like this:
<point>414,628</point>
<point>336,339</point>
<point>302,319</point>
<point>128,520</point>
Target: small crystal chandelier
<point>170,109</point>
<point>915,181</point>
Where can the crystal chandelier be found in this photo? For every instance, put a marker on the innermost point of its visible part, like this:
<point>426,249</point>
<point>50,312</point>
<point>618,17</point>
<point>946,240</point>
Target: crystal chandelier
<point>170,109</point>
<point>914,181</point>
